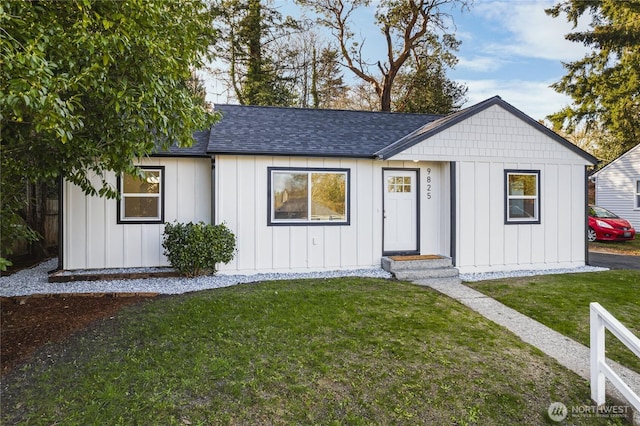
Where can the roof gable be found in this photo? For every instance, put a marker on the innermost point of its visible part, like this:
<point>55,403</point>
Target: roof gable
<point>623,157</point>
<point>258,130</point>
<point>437,126</point>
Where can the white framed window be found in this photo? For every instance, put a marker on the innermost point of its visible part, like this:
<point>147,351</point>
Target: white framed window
<point>303,196</point>
<point>637,195</point>
<point>142,199</point>
<point>522,196</point>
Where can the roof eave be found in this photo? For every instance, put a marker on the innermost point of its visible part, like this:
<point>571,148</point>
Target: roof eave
<point>291,154</point>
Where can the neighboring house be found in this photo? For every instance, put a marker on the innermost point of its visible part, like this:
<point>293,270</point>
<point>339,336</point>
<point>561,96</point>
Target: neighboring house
<point>307,190</point>
<point>618,186</point>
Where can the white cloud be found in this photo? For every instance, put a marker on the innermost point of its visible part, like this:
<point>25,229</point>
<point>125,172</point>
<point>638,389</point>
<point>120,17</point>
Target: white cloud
<point>480,63</point>
<point>536,99</point>
<point>533,33</point>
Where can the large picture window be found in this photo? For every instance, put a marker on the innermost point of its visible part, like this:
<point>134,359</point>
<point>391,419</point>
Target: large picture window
<point>308,196</point>
<point>142,199</point>
<point>522,193</point>
<point>637,194</point>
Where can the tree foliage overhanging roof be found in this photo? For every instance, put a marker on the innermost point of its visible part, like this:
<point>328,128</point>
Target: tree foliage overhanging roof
<point>87,87</point>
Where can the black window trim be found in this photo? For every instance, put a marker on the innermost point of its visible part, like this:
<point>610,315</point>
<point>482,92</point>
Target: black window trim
<point>508,221</point>
<point>271,222</point>
<point>122,221</point>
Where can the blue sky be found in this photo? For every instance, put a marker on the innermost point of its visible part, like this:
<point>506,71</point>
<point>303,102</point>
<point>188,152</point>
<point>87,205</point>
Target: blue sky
<point>514,50</point>
<point>510,48</point>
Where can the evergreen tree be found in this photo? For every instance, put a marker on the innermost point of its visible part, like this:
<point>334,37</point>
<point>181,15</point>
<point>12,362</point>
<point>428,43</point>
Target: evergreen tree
<point>248,47</point>
<point>605,84</point>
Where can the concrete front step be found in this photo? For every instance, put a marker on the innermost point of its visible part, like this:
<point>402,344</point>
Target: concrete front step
<point>391,265</point>
<point>418,274</point>
<point>411,268</point>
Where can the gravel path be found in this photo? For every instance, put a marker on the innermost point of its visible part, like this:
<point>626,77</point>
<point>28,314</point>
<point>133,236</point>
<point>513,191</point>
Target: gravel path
<point>34,280</point>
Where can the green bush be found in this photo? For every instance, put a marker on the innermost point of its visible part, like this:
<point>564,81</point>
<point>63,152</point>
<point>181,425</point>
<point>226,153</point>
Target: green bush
<point>195,249</point>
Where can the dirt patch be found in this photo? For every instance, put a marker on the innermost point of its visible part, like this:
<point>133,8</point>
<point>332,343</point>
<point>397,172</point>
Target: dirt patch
<point>29,322</point>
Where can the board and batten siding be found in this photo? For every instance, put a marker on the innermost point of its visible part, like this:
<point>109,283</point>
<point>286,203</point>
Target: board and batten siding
<point>483,147</point>
<point>93,238</point>
<point>241,199</point>
<point>616,186</point>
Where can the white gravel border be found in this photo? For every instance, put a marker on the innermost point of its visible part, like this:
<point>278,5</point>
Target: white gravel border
<point>34,280</point>
<point>474,277</point>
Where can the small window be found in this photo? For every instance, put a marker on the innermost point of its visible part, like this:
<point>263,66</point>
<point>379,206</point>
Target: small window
<point>142,199</point>
<point>308,196</point>
<point>522,193</point>
<point>637,194</point>
<point>399,184</point>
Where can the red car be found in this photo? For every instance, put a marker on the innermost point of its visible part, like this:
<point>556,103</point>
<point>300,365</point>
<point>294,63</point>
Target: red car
<point>606,226</point>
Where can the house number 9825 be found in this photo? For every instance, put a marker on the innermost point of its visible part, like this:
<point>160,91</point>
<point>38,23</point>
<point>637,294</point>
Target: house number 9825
<point>428,183</point>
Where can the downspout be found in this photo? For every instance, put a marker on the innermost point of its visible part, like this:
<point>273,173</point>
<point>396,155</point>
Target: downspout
<point>60,224</point>
<point>586,215</point>
<point>213,190</point>
<point>452,213</point>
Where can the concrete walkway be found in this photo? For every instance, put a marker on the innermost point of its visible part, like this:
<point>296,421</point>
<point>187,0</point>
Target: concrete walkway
<point>566,351</point>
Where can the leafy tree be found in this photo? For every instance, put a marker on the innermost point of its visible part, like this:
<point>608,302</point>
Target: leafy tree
<point>86,87</point>
<point>605,84</point>
<point>404,24</point>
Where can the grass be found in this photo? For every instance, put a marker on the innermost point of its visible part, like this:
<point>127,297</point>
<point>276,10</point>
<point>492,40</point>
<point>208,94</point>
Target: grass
<point>619,247</point>
<point>562,303</point>
<point>343,351</point>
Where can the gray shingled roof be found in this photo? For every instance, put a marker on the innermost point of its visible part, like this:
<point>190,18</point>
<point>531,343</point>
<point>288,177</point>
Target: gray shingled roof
<point>198,149</point>
<point>258,130</point>
<point>309,132</point>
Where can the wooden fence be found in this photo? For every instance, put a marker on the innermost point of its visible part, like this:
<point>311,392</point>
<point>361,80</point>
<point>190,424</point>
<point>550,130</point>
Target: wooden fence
<point>50,237</point>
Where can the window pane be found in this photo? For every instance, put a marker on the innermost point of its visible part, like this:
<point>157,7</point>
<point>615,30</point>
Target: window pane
<point>638,187</point>
<point>141,207</point>
<point>150,184</point>
<point>290,195</point>
<point>328,196</point>
<point>522,185</point>
<point>522,209</point>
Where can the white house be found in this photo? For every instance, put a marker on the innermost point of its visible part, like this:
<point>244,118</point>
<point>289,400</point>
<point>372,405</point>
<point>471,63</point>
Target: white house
<point>307,190</point>
<point>618,186</point>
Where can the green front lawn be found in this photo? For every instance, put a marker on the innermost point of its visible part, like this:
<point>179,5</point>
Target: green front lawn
<point>341,351</point>
<point>562,303</point>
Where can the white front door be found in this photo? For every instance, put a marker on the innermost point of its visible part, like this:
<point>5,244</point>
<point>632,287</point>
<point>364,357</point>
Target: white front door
<point>400,211</point>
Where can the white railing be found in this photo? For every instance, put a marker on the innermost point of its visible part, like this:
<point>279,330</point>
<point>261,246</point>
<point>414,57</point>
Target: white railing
<point>601,319</point>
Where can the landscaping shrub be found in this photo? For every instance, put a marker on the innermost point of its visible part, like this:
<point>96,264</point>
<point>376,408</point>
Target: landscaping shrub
<point>195,249</point>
